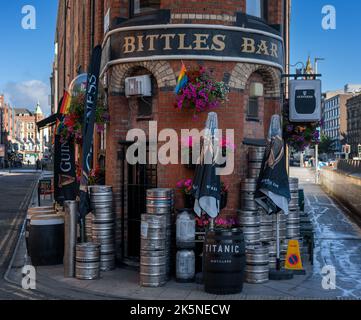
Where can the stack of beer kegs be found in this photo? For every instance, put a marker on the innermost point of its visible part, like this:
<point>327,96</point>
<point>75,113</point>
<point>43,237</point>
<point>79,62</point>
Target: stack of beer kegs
<point>256,225</point>
<point>88,227</point>
<point>293,218</point>
<point>251,226</point>
<point>103,224</point>
<point>156,238</point>
<point>255,157</point>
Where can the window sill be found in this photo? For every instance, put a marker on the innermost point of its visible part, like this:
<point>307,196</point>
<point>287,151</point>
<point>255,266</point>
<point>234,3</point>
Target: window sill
<point>144,118</point>
<point>253,119</point>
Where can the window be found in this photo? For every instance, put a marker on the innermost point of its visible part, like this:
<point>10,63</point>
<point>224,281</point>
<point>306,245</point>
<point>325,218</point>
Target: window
<point>252,110</point>
<point>145,106</point>
<point>144,6</point>
<point>256,8</point>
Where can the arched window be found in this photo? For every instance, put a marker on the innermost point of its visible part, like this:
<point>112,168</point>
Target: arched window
<point>144,6</point>
<point>257,8</point>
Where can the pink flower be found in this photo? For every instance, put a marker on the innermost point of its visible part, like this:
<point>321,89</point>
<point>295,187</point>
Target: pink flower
<point>180,183</point>
<point>188,182</point>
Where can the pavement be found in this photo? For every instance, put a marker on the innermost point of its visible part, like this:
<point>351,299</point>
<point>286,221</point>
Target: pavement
<point>16,190</point>
<point>338,247</point>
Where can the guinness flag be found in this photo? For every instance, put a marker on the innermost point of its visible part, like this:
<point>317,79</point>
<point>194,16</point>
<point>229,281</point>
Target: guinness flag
<point>65,186</point>
<point>88,132</point>
<point>273,192</point>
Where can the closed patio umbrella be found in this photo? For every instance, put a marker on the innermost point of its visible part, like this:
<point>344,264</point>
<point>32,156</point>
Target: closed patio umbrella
<point>206,184</point>
<point>273,192</point>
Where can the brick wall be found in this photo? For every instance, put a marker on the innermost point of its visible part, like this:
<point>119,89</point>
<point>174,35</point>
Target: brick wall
<point>76,46</point>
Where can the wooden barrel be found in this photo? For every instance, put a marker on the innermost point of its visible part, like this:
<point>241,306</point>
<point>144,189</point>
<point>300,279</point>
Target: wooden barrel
<point>46,240</point>
<point>224,261</point>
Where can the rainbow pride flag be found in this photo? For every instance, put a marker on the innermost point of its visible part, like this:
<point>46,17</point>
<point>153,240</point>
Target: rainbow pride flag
<point>65,105</point>
<point>182,79</point>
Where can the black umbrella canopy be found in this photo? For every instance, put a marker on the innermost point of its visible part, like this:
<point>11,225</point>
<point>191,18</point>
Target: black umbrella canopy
<point>206,183</point>
<point>273,192</point>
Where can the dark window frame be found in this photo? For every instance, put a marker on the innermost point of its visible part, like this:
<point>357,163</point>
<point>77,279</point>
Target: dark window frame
<point>132,14</point>
<point>252,116</point>
<point>264,11</point>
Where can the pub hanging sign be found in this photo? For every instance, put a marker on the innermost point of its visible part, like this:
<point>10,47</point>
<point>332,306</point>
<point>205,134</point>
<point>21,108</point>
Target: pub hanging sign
<point>305,100</point>
<point>211,42</point>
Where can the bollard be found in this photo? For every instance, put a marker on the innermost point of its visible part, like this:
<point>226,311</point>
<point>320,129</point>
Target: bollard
<point>71,219</point>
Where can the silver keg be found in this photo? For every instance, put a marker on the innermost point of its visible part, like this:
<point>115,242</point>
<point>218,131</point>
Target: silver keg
<point>266,228</point>
<point>248,189</point>
<point>185,266</point>
<point>153,232</point>
<point>88,227</point>
<point>273,253</point>
<point>152,268</point>
<point>251,226</point>
<point>255,154</point>
<point>103,224</point>
<point>87,261</point>
<point>255,157</point>
<point>257,264</point>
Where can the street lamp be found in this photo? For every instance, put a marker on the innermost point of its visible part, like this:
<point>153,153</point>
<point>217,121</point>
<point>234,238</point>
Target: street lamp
<point>317,59</point>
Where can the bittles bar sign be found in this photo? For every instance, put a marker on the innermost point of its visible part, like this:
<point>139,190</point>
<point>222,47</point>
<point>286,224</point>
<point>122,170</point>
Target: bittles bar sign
<point>207,42</point>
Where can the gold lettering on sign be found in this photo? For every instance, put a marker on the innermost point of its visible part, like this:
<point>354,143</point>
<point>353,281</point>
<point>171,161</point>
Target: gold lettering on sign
<point>151,39</point>
<point>201,41</point>
<point>274,50</point>
<point>129,44</point>
<point>263,48</point>
<point>248,45</point>
<point>140,44</point>
<point>167,37</point>
<point>182,42</point>
<point>218,42</point>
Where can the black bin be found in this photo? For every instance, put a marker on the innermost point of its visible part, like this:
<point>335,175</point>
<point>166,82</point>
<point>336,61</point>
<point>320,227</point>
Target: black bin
<point>224,261</point>
<point>46,240</point>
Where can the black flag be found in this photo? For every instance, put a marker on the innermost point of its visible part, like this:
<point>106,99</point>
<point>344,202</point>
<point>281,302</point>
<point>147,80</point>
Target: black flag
<point>65,185</point>
<point>88,131</point>
<point>273,192</point>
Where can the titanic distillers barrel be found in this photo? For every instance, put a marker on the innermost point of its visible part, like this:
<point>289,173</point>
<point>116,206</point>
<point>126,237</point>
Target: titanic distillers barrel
<point>32,212</point>
<point>46,240</point>
<point>224,261</point>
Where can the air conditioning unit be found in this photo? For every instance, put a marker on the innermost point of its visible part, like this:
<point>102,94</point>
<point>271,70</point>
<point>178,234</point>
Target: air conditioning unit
<point>256,89</point>
<point>138,86</point>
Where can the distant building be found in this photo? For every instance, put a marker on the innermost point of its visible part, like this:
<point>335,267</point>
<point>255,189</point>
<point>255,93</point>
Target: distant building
<point>334,117</point>
<point>31,142</point>
<point>352,88</point>
<point>354,123</point>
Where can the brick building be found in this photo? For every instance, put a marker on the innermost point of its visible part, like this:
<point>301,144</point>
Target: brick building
<point>240,42</point>
<point>31,142</point>
<point>354,124</point>
<point>335,119</point>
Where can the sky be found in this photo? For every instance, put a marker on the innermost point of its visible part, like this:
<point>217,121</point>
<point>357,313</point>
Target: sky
<point>340,47</point>
<point>26,56</point>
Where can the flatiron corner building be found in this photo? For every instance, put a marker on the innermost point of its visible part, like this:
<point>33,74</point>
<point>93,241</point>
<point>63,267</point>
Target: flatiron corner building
<point>242,43</point>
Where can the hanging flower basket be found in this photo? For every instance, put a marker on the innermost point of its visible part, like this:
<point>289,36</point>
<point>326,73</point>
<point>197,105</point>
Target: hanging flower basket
<point>201,93</point>
<point>299,136</point>
<point>72,125</point>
